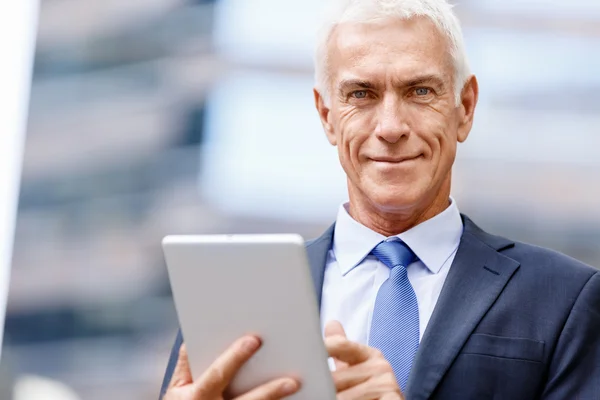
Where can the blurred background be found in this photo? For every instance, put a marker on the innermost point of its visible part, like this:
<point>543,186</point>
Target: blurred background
<point>161,117</point>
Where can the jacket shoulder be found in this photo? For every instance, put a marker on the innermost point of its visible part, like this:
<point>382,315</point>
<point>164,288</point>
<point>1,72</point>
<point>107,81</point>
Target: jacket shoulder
<point>541,263</point>
<point>548,264</point>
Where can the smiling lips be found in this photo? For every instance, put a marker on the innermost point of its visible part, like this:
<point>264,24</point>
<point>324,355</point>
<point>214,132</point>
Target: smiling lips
<point>394,160</point>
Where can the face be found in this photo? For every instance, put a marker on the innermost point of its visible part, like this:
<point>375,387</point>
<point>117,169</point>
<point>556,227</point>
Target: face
<point>393,114</point>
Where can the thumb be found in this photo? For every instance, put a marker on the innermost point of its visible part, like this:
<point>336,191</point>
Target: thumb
<point>182,375</point>
<point>335,328</point>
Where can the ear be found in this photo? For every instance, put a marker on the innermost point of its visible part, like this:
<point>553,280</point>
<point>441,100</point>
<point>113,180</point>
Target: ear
<point>324,114</point>
<point>469,98</point>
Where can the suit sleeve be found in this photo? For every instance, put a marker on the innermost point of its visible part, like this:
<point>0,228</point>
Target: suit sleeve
<point>574,371</point>
<point>171,364</point>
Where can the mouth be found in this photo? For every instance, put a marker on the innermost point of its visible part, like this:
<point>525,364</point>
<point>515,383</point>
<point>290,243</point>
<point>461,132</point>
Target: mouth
<point>395,160</point>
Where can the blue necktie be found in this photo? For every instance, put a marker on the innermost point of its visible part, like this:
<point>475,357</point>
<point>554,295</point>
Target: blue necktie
<point>395,322</point>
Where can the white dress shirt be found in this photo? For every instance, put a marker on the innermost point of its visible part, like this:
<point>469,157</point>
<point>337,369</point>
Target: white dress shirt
<point>353,276</point>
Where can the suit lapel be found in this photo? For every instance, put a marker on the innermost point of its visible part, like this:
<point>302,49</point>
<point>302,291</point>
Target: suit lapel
<point>478,275</point>
<point>316,251</point>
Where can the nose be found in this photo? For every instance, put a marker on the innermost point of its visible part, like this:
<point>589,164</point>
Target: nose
<point>391,125</point>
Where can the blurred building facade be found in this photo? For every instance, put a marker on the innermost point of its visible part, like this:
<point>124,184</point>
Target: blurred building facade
<point>158,117</point>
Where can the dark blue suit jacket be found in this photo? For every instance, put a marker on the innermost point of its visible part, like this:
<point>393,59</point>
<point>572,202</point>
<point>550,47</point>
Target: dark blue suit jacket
<point>513,321</point>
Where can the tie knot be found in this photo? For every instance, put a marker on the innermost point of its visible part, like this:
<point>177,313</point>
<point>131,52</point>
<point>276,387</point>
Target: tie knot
<point>394,253</point>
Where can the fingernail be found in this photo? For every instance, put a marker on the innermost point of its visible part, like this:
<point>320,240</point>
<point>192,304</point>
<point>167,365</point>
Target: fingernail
<point>289,387</point>
<point>251,344</point>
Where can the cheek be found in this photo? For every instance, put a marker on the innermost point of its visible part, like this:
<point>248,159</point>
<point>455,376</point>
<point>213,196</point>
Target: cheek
<point>435,133</point>
<point>439,144</point>
<point>445,151</point>
<point>353,130</point>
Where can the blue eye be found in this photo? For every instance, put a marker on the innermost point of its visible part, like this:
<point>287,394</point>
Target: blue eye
<point>360,94</point>
<point>422,91</point>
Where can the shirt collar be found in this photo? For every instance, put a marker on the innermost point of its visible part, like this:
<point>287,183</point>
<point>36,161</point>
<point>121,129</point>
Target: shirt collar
<point>433,241</point>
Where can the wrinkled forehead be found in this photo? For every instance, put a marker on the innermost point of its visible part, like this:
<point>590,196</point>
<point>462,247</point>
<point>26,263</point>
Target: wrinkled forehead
<point>390,45</point>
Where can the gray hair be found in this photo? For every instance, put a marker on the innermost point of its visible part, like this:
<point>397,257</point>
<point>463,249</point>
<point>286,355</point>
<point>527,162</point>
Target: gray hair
<point>438,11</point>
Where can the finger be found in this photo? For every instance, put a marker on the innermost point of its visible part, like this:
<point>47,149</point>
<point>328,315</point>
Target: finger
<point>349,352</point>
<point>375,388</point>
<point>353,376</point>
<point>392,396</point>
<point>339,365</point>
<point>357,374</point>
<point>274,390</point>
<point>219,374</point>
<point>182,374</point>
<point>335,328</point>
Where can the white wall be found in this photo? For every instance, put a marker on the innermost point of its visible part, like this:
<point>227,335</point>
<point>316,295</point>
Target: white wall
<point>18,20</point>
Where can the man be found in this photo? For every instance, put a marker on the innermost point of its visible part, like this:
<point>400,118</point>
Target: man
<point>415,287</point>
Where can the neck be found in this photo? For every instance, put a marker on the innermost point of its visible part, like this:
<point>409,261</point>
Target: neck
<point>395,222</point>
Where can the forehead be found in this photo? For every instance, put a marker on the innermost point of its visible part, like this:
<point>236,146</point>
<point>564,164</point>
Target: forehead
<point>389,47</point>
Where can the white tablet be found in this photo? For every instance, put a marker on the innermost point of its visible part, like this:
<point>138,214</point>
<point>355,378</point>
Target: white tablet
<point>227,286</point>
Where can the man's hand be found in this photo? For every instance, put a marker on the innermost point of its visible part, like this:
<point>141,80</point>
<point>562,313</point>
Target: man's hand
<point>215,380</point>
<point>362,373</point>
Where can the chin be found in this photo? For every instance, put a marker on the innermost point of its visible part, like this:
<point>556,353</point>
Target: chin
<point>396,198</point>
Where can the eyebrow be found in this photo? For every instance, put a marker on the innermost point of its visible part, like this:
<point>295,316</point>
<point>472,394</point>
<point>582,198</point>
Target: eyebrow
<point>420,80</point>
<point>362,84</point>
<point>355,83</point>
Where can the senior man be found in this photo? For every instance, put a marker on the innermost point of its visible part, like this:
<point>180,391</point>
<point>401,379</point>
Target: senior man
<point>421,303</point>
